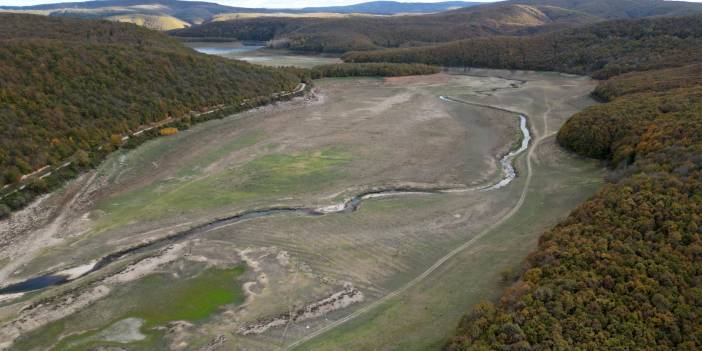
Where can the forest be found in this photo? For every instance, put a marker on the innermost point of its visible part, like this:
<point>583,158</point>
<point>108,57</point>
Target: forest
<point>70,86</point>
<point>624,270</point>
<point>337,35</point>
<point>370,70</point>
<point>601,50</point>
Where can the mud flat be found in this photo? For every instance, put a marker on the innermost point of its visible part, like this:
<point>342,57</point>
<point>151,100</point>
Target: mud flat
<point>257,53</point>
<point>425,243</point>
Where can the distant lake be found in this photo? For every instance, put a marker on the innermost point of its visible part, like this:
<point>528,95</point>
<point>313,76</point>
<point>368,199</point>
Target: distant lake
<point>256,52</point>
<point>213,48</point>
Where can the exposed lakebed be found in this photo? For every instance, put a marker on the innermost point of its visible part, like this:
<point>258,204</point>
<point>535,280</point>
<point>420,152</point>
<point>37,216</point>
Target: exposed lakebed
<point>351,205</point>
<point>334,204</point>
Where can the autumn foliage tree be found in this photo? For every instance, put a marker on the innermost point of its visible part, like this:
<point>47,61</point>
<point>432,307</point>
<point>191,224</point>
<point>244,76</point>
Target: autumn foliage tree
<point>624,270</point>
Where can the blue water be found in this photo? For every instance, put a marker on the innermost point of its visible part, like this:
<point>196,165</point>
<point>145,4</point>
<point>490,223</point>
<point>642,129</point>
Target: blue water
<point>34,284</point>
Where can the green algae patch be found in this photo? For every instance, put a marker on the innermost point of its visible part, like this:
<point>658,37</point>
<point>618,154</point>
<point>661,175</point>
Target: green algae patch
<point>163,299</point>
<point>152,302</point>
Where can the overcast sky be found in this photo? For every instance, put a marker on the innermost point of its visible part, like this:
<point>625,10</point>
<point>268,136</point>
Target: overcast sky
<point>248,3</point>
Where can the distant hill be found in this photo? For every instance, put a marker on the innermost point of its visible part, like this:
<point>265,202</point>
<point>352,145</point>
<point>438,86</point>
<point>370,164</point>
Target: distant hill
<point>176,14</point>
<point>353,33</point>
<point>191,12</point>
<point>602,49</point>
<point>368,33</point>
<point>156,22</point>
<point>393,7</point>
<point>171,14</point>
<point>70,87</point>
<point>620,9</point>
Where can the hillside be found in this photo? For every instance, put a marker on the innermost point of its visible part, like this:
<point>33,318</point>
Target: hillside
<point>602,49</point>
<point>621,9</point>
<point>622,272</point>
<point>71,86</point>
<point>156,22</point>
<point>367,33</point>
<point>16,27</point>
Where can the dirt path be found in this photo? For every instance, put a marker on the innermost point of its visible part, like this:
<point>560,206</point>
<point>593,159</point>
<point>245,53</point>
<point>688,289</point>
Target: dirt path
<point>540,136</point>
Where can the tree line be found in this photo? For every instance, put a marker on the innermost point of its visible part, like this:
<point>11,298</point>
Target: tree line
<point>336,70</point>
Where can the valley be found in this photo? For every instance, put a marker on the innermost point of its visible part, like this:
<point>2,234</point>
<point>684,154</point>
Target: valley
<point>457,176</point>
<point>394,254</point>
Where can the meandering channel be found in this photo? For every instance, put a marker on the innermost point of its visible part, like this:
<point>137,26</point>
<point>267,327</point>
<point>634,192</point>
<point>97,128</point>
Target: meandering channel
<point>350,205</point>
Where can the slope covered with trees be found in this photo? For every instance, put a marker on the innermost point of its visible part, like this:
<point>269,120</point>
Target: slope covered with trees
<point>601,50</point>
<point>624,270</point>
<point>71,86</point>
<point>337,35</point>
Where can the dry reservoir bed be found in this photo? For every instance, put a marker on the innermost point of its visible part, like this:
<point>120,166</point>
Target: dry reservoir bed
<point>397,273</point>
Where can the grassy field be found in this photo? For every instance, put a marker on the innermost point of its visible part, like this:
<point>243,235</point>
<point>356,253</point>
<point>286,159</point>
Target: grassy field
<point>266,177</point>
<point>155,22</point>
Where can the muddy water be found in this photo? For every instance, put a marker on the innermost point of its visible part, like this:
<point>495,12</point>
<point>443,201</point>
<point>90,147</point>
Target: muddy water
<point>508,174</point>
<point>506,161</point>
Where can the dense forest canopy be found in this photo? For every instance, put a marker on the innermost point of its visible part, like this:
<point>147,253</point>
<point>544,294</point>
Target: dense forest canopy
<point>68,85</point>
<point>624,270</point>
<point>363,70</point>
<point>366,33</point>
<point>603,49</point>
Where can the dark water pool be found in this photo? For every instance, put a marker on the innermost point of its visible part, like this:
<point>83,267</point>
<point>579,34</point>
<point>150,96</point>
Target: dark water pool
<point>34,284</point>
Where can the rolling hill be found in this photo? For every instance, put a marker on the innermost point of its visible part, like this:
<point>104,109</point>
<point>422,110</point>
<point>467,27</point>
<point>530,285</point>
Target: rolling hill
<point>71,87</point>
<point>367,33</point>
<point>156,22</point>
<point>620,9</point>
<point>172,14</point>
<point>515,17</point>
<point>602,49</point>
<point>393,7</point>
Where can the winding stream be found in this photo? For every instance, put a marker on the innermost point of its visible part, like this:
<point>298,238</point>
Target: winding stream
<point>350,205</point>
